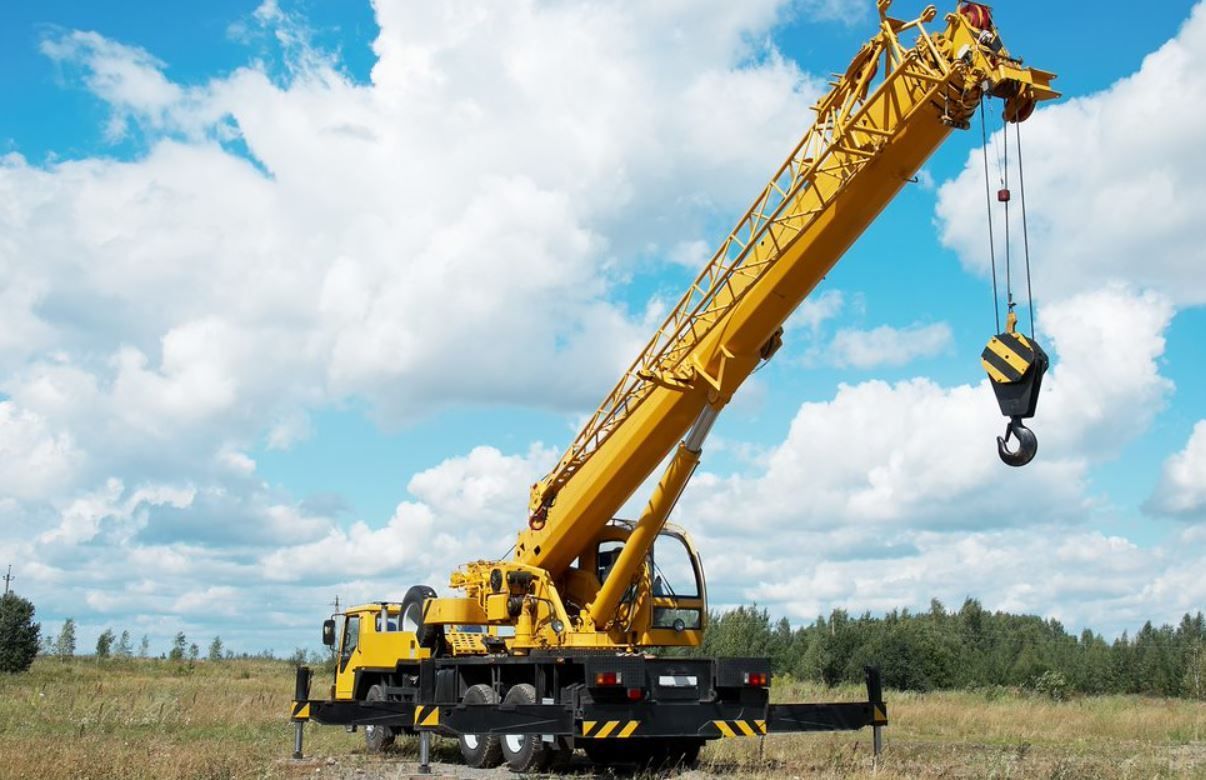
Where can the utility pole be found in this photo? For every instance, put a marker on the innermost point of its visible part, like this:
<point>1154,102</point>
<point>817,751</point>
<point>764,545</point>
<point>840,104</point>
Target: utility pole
<point>334,603</point>
<point>8,578</point>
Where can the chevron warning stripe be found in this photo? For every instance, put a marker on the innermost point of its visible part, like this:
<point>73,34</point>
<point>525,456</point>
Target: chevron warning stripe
<point>301,710</point>
<point>1007,357</point>
<point>427,716</point>
<point>740,728</point>
<point>615,729</point>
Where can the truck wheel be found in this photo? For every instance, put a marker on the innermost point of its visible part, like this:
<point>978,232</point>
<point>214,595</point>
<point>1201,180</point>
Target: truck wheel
<point>412,618</point>
<point>481,751</point>
<point>377,738</point>
<point>524,752</point>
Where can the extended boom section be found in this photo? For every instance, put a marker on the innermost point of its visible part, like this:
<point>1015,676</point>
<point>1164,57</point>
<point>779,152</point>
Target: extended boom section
<point>902,95</point>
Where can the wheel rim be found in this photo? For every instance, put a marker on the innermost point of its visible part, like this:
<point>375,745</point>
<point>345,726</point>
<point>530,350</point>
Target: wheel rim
<point>514,742</point>
<point>470,741</point>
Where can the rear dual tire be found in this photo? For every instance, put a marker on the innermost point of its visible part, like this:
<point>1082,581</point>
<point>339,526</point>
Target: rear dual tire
<point>525,752</point>
<point>481,751</point>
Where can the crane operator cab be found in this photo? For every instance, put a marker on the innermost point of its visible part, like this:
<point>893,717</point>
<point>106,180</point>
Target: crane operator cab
<point>667,595</point>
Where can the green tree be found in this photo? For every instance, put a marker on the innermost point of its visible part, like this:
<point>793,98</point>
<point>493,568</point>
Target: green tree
<point>179,646</point>
<point>124,649</point>
<point>144,646</point>
<point>194,652</point>
<point>104,643</point>
<point>215,649</point>
<point>65,647</point>
<point>18,633</point>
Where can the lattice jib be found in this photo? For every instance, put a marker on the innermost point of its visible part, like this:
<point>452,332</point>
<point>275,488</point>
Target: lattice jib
<point>842,141</point>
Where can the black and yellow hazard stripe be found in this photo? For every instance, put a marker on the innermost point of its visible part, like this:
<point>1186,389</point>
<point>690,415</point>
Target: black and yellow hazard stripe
<point>613,729</point>
<point>1007,357</point>
<point>427,716</point>
<point>740,728</point>
<point>301,710</point>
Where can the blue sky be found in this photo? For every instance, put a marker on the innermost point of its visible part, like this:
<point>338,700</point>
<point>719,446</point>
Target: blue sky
<point>290,283</point>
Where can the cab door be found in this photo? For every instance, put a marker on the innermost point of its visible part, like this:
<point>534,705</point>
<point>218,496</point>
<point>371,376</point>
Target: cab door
<point>349,658</point>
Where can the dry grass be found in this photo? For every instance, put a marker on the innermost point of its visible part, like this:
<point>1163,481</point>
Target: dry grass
<point>155,719</point>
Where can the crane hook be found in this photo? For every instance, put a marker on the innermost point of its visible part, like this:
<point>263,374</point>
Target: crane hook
<point>1027,444</point>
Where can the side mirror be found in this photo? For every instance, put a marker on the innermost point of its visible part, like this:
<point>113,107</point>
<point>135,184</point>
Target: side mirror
<point>328,633</point>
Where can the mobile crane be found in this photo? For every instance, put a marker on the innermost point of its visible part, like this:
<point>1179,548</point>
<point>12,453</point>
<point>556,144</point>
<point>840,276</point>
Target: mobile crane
<point>552,649</point>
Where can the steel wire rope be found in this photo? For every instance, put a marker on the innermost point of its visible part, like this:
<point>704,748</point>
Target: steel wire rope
<point>1025,229</point>
<point>992,242</point>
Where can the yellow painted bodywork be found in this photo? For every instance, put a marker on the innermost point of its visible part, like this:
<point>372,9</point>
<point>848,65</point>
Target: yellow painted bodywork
<point>374,648</point>
<point>905,91</point>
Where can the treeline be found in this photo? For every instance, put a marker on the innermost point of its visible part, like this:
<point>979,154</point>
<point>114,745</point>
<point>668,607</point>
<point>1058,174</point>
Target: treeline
<point>970,648</point>
<point>112,645</point>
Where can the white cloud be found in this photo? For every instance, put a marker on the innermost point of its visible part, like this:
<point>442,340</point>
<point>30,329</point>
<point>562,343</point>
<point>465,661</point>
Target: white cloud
<point>34,460</point>
<point>815,311</point>
<point>455,232</point>
<point>848,11</point>
<point>888,346</point>
<point>469,507</point>
<point>918,453</point>
<point>128,78</point>
<point>1111,194</point>
<point>894,493</point>
<point>1182,488</point>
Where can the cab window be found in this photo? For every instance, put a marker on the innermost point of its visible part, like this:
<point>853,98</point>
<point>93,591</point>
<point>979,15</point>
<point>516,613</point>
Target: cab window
<point>351,639</point>
<point>673,569</point>
<point>606,557</point>
<point>674,578</point>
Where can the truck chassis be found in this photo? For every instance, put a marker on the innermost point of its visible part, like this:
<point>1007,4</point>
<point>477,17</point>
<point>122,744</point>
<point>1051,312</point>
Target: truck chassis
<point>586,700</point>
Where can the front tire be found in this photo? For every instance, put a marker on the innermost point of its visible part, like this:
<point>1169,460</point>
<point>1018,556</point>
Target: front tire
<point>524,752</point>
<point>481,751</point>
<point>377,738</point>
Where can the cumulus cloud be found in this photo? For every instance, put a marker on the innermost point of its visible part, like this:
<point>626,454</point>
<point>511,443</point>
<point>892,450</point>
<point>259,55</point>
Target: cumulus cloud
<point>892,493</point>
<point>466,508</point>
<point>34,460</point>
<point>815,311</point>
<point>1182,488</point>
<point>1111,195</point>
<point>456,231</point>
<point>888,346</point>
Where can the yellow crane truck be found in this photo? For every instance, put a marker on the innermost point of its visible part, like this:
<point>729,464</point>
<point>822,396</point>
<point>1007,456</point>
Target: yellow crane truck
<point>558,647</point>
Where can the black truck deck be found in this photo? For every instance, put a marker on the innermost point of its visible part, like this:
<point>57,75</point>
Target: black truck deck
<point>589,696</point>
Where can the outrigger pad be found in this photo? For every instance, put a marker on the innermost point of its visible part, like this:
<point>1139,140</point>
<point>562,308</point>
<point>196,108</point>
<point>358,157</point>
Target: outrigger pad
<point>1016,366</point>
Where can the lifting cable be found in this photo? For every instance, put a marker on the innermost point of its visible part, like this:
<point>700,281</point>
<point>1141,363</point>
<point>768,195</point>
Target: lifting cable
<point>1004,197</point>
<point>1025,228</point>
<point>1015,364</point>
<point>992,242</point>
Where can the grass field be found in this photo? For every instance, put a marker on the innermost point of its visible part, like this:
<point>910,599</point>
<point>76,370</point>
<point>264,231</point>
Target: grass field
<point>158,719</point>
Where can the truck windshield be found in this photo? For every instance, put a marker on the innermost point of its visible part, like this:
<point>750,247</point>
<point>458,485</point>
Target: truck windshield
<point>351,638</point>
